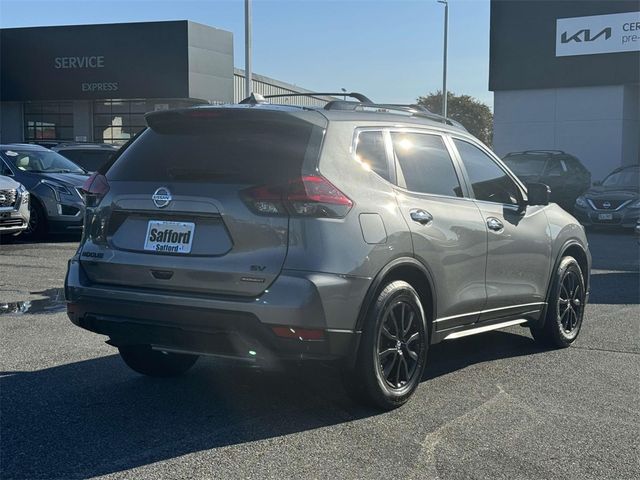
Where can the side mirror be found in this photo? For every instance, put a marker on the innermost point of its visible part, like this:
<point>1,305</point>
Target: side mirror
<point>538,194</point>
<point>597,183</point>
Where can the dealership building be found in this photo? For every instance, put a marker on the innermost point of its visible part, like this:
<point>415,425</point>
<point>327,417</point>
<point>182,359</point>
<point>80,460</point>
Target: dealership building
<point>566,75</point>
<point>96,82</point>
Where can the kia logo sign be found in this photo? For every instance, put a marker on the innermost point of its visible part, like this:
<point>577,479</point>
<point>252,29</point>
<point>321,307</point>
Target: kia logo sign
<point>584,35</point>
<point>617,32</point>
<point>161,197</point>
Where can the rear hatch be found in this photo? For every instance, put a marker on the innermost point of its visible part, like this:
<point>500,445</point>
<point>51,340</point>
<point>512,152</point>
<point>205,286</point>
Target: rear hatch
<point>179,213</point>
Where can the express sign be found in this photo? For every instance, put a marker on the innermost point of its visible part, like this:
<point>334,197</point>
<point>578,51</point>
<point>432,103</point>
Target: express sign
<point>618,32</point>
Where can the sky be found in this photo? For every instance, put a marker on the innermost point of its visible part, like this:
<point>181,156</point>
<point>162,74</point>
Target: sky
<point>389,50</point>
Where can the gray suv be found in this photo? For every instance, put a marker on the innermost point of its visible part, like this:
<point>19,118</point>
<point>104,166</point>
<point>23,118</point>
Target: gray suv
<point>355,232</point>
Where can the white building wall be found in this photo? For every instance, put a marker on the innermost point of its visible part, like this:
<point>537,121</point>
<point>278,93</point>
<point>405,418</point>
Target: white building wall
<point>593,123</point>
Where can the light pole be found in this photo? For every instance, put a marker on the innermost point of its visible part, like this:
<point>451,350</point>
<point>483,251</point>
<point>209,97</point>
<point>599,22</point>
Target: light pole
<point>444,59</point>
<point>247,49</point>
<point>344,97</point>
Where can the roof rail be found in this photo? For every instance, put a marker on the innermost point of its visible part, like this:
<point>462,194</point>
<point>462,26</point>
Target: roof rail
<point>363,103</point>
<point>554,152</point>
<point>256,98</point>
<point>413,110</point>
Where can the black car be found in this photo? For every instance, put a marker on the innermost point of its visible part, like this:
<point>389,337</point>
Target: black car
<point>614,201</point>
<point>90,156</point>
<point>563,172</point>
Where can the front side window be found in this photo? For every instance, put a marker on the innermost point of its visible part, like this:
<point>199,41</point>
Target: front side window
<point>4,169</point>
<point>489,182</point>
<point>371,151</point>
<point>424,164</point>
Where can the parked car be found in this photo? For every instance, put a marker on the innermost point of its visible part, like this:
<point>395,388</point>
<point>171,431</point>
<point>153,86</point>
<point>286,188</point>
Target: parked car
<point>14,207</point>
<point>53,181</point>
<point>359,233</point>
<point>564,173</point>
<point>90,156</point>
<point>613,202</point>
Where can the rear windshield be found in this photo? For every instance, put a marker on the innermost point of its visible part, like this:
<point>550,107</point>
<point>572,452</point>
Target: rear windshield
<point>526,164</point>
<point>216,150</point>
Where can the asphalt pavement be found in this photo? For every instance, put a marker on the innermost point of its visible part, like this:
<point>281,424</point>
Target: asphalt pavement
<point>491,406</point>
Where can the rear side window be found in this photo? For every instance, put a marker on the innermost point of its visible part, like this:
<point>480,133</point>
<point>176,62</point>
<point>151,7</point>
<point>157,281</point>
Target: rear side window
<point>218,149</point>
<point>371,151</point>
<point>556,167</point>
<point>424,164</point>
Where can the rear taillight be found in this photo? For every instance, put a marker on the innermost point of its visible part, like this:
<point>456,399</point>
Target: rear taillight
<point>94,189</point>
<point>307,196</point>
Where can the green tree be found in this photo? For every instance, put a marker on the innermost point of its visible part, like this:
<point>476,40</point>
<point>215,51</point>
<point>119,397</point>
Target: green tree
<point>469,111</point>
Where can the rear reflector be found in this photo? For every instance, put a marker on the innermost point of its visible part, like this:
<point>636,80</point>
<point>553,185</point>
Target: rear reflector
<point>299,333</point>
<point>307,196</point>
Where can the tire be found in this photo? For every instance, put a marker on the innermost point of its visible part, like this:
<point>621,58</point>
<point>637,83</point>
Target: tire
<point>391,358</point>
<point>154,363</point>
<point>565,308</point>
<point>37,228</point>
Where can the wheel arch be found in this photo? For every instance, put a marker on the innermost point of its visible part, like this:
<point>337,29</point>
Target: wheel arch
<point>574,249</point>
<point>411,271</point>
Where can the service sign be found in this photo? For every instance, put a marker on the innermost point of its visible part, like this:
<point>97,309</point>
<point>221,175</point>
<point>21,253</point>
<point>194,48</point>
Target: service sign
<point>618,32</point>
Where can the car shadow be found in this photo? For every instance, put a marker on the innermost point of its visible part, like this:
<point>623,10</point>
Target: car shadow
<point>96,417</point>
<point>450,356</point>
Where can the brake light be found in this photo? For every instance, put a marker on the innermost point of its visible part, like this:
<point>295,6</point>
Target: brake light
<point>307,196</point>
<point>94,189</point>
<point>315,196</point>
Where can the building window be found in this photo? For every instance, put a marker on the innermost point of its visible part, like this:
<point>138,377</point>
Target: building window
<point>116,121</point>
<point>45,121</point>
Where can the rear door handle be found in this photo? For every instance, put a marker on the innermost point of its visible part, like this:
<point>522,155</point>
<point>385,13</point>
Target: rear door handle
<point>494,224</point>
<point>420,216</point>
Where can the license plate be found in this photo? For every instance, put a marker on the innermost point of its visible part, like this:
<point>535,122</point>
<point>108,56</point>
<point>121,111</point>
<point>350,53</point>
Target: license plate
<point>169,237</point>
<point>605,216</point>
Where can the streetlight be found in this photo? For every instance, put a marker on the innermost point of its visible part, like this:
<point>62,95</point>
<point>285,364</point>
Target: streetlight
<point>444,60</point>
<point>344,97</point>
<point>247,49</point>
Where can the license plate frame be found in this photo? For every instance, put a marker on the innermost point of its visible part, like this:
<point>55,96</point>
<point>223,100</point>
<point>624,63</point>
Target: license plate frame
<point>605,216</point>
<point>172,237</point>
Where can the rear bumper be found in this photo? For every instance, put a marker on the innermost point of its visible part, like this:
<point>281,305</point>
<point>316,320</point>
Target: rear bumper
<point>236,327</point>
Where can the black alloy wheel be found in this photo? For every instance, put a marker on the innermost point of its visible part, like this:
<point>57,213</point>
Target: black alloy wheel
<point>399,341</point>
<point>570,302</point>
<point>392,352</point>
<point>565,307</point>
